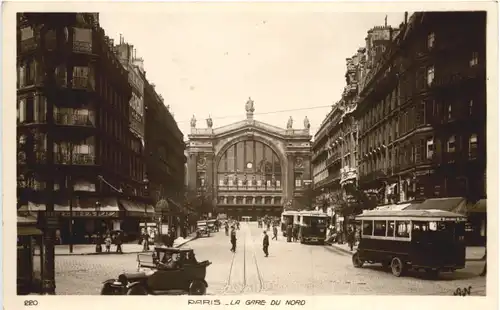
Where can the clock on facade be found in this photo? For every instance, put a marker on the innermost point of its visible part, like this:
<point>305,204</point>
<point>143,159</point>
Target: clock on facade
<point>249,165</point>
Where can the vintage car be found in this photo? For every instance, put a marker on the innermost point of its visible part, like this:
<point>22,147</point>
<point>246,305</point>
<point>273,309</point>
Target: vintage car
<point>212,226</point>
<point>202,229</point>
<point>165,271</point>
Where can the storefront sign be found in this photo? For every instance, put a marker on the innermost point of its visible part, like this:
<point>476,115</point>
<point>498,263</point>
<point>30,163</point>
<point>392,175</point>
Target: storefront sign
<point>90,214</point>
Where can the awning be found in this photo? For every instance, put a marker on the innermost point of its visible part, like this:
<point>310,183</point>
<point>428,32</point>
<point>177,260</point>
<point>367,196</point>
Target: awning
<point>478,207</point>
<point>394,207</point>
<point>79,204</point>
<point>137,208</point>
<point>451,204</point>
<point>26,220</point>
<point>28,231</point>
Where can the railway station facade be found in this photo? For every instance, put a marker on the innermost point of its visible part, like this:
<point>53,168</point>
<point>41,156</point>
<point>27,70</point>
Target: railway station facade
<point>249,168</point>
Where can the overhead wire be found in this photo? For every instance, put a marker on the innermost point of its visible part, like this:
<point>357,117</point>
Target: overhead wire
<point>267,113</point>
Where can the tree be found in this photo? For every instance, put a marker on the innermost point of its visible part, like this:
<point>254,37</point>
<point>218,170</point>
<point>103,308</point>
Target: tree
<point>200,200</point>
<point>306,200</point>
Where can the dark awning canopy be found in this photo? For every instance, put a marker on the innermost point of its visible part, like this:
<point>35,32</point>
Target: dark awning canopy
<point>478,207</point>
<point>450,204</point>
<point>28,231</point>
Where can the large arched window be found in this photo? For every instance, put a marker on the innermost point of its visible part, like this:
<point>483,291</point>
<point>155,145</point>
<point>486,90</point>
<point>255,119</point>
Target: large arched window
<point>249,164</point>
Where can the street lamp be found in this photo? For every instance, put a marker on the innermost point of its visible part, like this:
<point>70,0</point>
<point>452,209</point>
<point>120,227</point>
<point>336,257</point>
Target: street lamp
<point>98,247</point>
<point>146,187</point>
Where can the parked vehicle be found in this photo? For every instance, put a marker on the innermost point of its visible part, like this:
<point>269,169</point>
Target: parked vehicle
<point>211,225</point>
<point>288,217</point>
<point>162,272</point>
<point>312,226</point>
<point>430,240</point>
<point>202,229</point>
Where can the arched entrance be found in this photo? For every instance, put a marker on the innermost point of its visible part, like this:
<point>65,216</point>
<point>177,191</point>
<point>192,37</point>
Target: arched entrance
<point>250,179</point>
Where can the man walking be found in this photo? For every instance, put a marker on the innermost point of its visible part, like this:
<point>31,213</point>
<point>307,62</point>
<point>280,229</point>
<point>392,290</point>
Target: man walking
<point>350,238</point>
<point>233,240</point>
<point>118,241</point>
<point>275,233</point>
<point>265,244</point>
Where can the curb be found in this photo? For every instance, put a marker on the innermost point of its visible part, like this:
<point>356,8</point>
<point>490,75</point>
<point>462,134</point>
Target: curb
<point>114,253</point>
<point>350,253</point>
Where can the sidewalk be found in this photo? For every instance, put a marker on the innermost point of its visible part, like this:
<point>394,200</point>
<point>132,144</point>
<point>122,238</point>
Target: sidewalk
<point>128,248</point>
<point>472,253</point>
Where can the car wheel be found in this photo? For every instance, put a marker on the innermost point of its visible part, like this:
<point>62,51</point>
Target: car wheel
<point>397,267</point>
<point>137,290</point>
<point>107,289</point>
<point>197,287</point>
<point>357,262</point>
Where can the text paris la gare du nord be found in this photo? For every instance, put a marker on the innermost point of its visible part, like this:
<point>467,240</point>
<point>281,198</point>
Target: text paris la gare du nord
<point>247,302</point>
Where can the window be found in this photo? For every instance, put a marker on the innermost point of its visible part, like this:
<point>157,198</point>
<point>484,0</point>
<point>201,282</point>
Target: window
<point>471,106</point>
<point>22,110</point>
<point>379,228</point>
<point>451,144</point>
<point>403,229</point>
<point>430,40</point>
<point>450,111</point>
<point>474,59</point>
<point>473,146</point>
<point>390,229</point>
<point>27,33</point>
<point>367,228</point>
<point>420,115</point>
<point>430,148</point>
<point>430,75</point>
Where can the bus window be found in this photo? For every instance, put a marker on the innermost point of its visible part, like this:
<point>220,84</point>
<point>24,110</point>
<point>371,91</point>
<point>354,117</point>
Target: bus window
<point>403,229</point>
<point>390,229</point>
<point>379,228</point>
<point>367,228</point>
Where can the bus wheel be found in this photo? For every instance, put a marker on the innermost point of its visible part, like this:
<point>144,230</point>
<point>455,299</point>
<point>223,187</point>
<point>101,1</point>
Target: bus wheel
<point>397,267</point>
<point>357,261</point>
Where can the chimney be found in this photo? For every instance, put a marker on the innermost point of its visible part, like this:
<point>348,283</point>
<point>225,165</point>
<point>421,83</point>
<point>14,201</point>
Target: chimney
<point>406,18</point>
<point>121,39</point>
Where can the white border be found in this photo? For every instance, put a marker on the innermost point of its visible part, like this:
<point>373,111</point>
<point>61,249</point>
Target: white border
<point>180,302</point>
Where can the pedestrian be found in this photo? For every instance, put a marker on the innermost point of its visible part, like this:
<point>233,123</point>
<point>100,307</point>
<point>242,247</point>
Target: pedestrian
<point>233,239</point>
<point>145,242</point>
<point>350,238</point>
<point>226,228</point>
<point>294,233</point>
<point>118,242</point>
<point>265,244</point>
<point>289,233</point>
<point>107,241</point>
<point>275,233</point>
<point>268,225</point>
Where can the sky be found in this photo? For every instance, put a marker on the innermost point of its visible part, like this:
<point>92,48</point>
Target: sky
<point>210,63</point>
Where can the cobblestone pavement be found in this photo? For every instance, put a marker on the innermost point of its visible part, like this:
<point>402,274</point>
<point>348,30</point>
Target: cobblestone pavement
<point>291,268</point>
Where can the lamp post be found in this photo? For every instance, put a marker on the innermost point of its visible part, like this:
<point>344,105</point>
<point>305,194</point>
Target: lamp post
<point>146,188</point>
<point>98,247</point>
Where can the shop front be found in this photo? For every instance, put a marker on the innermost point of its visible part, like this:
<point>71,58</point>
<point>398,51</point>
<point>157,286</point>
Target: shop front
<point>28,238</point>
<point>137,215</point>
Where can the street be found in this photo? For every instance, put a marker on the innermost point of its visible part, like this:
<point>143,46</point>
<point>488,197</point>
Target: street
<point>291,268</point>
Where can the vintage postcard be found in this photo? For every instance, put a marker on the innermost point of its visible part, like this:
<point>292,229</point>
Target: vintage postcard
<point>250,155</point>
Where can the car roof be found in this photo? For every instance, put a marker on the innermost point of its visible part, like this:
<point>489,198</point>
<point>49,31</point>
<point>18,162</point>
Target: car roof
<point>172,250</point>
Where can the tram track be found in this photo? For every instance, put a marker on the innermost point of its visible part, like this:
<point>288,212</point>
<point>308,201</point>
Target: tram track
<point>246,285</point>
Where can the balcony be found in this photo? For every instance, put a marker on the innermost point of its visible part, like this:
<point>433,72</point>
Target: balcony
<point>69,119</point>
<point>348,174</point>
<point>82,83</point>
<point>28,45</point>
<point>82,47</point>
<point>76,159</point>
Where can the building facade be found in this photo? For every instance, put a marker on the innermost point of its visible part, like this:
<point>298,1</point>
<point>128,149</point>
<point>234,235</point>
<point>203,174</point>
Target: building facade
<point>249,168</point>
<point>73,137</point>
<point>335,147</point>
<point>422,113</point>
<point>165,159</point>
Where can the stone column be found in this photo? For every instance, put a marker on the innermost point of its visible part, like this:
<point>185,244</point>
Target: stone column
<point>191,167</point>
<point>210,172</point>
<point>290,182</point>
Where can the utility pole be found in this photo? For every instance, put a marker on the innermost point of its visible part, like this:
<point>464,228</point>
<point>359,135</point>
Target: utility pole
<point>70,185</point>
